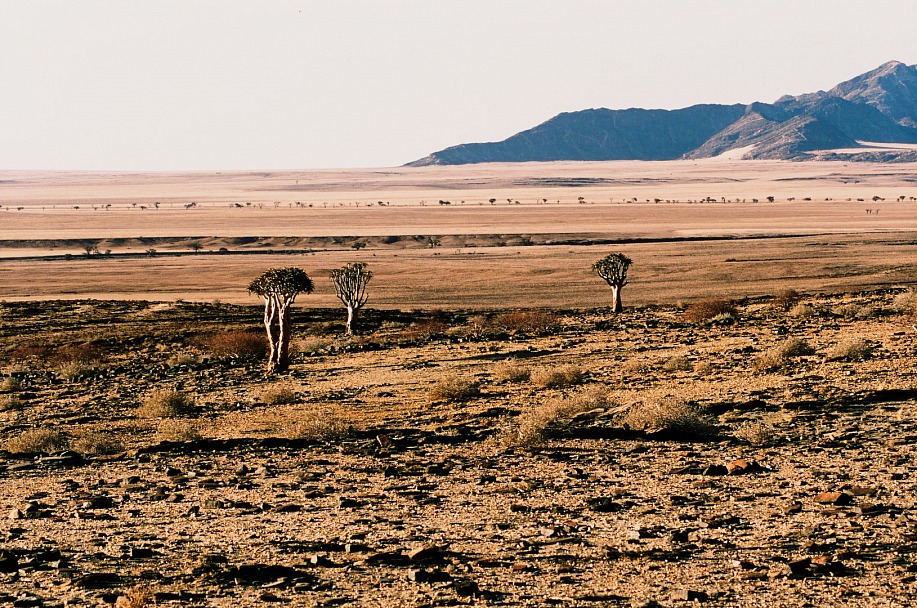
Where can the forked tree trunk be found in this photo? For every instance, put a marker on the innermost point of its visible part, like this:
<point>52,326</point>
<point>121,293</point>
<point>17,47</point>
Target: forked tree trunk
<point>616,296</point>
<point>277,325</point>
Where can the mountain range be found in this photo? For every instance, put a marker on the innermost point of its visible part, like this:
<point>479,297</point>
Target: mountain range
<point>868,117</point>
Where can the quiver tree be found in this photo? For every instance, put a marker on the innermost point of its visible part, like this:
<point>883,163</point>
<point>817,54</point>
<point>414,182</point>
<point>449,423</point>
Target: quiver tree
<point>279,288</point>
<point>350,285</point>
<point>613,268</point>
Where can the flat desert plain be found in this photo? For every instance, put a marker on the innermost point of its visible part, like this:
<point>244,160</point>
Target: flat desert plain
<point>742,434</point>
<point>691,228</point>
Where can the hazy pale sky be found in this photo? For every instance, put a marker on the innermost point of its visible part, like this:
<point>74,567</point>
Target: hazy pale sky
<point>290,84</point>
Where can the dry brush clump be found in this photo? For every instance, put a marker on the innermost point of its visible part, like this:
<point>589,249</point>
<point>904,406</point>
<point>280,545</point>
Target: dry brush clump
<point>677,363</point>
<point>170,429</point>
<point>671,417</point>
<point>785,299</point>
<point>527,322</point>
<point>277,394</point>
<point>96,443</point>
<point>9,403</point>
<point>802,310</point>
<point>536,424</point>
<point>511,371</point>
<point>855,312</point>
<point>455,388</point>
<point>235,343</point>
<point>711,310</point>
<point>906,303</point>
<point>780,355</point>
<point>10,384</point>
<point>165,403</point>
<point>564,376</point>
<point>136,597</point>
<point>855,349</point>
<point>323,425</point>
<point>758,433</point>
<point>37,441</point>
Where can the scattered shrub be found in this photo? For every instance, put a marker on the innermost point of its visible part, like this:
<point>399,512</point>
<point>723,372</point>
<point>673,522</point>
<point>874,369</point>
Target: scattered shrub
<point>69,354</point>
<point>704,368</point>
<point>758,433</point>
<point>856,349</point>
<point>73,370</point>
<point>424,331</point>
<point>678,418</point>
<point>237,343</point>
<point>10,385</point>
<point>785,299</point>
<point>10,402</point>
<point>97,444</point>
<point>136,597</point>
<point>278,394</point>
<point>325,426</point>
<point>710,309</point>
<point>535,425</point>
<point>181,359</point>
<point>177,430</point>
<point>311,345</point>
<point>855,311</point>
<point>557,377</point>
<point>165,403</point>
<point>529,322</point>
<point>455,389</point>
<point>906,303</point>
<point>802,310</point>
<point>37,441</point>
<point>780,355</point>
<point>677,363</point>
<point>511,371</point>
<point>31,351</point>
<point>638,366</point>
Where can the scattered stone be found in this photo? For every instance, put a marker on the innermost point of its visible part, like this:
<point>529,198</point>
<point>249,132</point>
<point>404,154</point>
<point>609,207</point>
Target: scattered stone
<point>834,498</point>
<point>689,595</point>
<point>425,553</point>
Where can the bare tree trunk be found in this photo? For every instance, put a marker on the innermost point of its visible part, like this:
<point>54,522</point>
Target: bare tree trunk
<point>351,315</point>
<point>616,296</point>
<point>270,324</point>
<point>283,339</point>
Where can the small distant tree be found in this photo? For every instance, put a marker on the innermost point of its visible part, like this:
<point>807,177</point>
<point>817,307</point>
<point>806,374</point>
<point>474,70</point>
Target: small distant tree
<point>279,288</point>
<point>195,247</point>
<point>350,284</point>
<point>613,268</point>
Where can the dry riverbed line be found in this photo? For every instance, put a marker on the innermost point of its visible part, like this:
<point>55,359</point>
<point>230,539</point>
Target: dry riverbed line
<point>735,453</point>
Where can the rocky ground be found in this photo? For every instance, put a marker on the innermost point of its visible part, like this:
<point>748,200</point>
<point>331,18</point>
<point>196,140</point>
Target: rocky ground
<point>753,455</point>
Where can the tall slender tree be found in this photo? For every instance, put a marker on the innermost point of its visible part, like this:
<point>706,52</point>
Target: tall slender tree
<point>613,268</point>
<point>350,285</point>
<point>279,288</point>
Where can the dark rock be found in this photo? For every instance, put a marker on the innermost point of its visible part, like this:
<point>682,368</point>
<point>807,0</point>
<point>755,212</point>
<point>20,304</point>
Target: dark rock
<point>689,595</point>
<point>716,470</point>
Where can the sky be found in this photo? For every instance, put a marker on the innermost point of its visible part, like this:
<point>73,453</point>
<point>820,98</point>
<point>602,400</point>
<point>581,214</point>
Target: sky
<point>301,84</point>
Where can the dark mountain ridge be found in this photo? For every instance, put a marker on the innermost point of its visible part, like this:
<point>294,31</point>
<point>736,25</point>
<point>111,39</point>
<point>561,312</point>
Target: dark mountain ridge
<point>878,106</point>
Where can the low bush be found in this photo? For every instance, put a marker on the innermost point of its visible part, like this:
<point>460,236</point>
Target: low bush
<point>177,430</point>
<point>10,385</point>
<point>854,311</point>
<point>802,310</point>
<point>10,402</point>
<point>511,371</point>
<point>680,419</point>
<point>781,354</point>
<point>855,349</point>
<point>323,425</point>
<point>278,394</point>
<point>677,363</point>
<point>236,343</point>
<point>455,389</point>
<point>535,425</point>
<point>37,441</point>
<point>710,309</point>
<point>906,303</point>
<point>97,444</point>
<point>557,377</point>
<point>785,299</point>
<point>758,433</point>
<point>165,403</point>
<point>529,323</point>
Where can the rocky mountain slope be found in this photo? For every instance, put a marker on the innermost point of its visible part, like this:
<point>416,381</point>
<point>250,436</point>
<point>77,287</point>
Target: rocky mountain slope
<point>878,106</point>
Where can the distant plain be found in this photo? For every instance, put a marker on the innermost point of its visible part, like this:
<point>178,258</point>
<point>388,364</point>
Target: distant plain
<point>434,238</point>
